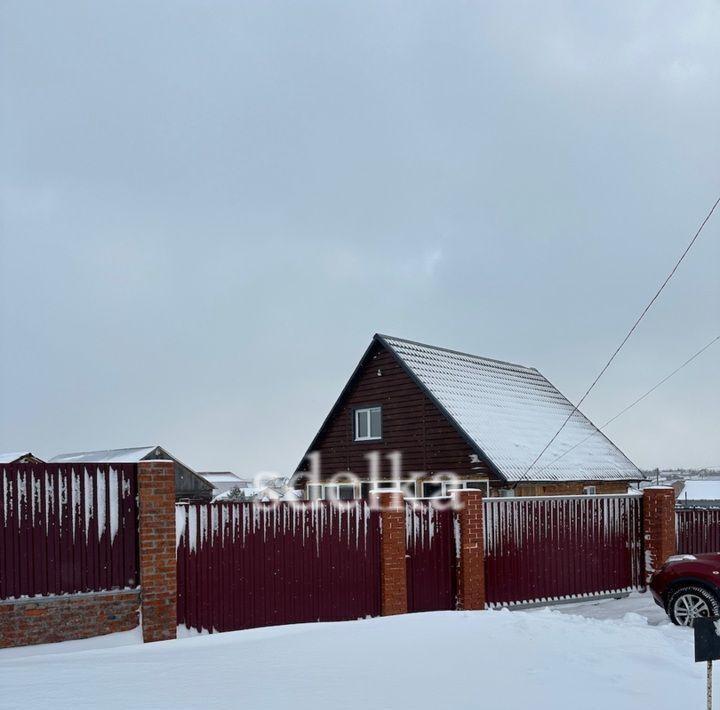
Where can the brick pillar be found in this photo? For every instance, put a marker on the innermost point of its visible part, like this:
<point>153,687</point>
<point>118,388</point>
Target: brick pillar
<point>393,580</point>
<point>658,527</point>
<point>158,566</point>
<point>470,550</point>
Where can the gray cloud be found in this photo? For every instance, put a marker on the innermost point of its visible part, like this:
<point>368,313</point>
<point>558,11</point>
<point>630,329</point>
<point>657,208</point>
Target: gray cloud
<point>208,209</point>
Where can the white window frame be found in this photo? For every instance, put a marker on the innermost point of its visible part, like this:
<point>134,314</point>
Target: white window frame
<point>589,490</point>
<point>448,486</point>
<point>390,484</point>
<point>366,411</point>
<point>319,486</point>
<point>337,487</point>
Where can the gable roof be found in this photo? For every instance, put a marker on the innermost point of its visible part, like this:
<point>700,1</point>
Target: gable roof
<point>135,455</point>
<point>15,456</point>
<point>508,413</point>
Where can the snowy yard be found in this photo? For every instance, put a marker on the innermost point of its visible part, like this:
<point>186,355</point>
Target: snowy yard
<point>618,654</point>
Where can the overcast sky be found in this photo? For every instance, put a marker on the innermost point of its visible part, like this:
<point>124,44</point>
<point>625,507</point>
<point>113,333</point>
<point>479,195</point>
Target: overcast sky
<point>208,208</point>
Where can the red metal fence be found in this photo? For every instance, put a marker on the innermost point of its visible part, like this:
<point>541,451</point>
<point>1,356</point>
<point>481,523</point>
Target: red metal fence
<point>540,549</point>
<point>244,565</point>
<point>66,529</point>
<point>698,530</point>
<point>430,557</point>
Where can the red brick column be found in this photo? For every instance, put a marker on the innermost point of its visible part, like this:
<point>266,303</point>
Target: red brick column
<point>158,566</point>
<point>470,550</point>
<point>393,578</point>
<point>658,527</point>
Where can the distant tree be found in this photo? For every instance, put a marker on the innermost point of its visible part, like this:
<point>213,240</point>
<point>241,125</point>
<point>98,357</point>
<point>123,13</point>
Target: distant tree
<point>237,494</point>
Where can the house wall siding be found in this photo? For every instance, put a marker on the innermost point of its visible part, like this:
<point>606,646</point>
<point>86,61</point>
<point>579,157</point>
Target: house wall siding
<point>411,424</point>
<point>571,488</point>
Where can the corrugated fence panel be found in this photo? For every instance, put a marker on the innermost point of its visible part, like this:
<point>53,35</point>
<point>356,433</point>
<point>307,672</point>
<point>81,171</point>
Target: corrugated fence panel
<point>430,557</point>
<point>698,530</point>
<point>541,549</point>
<point>67,529</point>
<point>245,565</point>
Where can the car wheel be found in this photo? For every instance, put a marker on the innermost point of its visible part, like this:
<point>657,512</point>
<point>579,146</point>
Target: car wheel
<point>688,603</point>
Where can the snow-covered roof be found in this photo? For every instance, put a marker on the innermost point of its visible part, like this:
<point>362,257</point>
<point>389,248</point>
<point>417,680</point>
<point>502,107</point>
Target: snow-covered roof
<point>700,490</point>
<point>509,413</point>
<point>222,477</point>
<point>132,455</point>
<point>13,456</point>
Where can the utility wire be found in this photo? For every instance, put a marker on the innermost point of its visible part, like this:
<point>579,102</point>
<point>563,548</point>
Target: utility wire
<point>630,406</point>
<point>625,339</point>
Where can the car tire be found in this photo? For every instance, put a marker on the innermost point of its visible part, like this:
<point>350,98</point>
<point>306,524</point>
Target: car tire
<point>686,604</point>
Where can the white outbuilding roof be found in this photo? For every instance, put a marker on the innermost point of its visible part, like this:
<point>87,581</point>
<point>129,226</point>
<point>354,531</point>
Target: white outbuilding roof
<point>509,413</point>
<point>133,455</point>
<point>700,490</point>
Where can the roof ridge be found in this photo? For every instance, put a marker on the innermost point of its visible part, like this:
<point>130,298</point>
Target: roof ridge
<point>384,338</point>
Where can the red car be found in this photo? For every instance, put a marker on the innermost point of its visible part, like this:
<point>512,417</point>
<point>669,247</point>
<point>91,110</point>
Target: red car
<point>688,586</point>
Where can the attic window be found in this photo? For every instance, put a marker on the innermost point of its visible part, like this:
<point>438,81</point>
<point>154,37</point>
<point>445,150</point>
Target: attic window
<point>368,423</point>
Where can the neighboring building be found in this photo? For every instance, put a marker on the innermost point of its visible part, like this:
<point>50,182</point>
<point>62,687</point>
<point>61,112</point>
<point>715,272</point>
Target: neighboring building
<point>225,481</point>
<point>446,411</point>
<point>277,489</point>
<point>697,494</point>
<point>19,457</point>
<point>189,486</point>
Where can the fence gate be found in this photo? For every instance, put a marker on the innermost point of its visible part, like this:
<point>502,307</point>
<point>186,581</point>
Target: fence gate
<point>540,549</point>
<point>244,565</point>
<point>698,530</point>
<point>430,557</point>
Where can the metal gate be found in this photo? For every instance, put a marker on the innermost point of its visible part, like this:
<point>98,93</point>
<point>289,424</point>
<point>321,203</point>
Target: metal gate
<point>244,565</point>
<point>430,556</point>
<point>539,549</point>
<point>698,530</point>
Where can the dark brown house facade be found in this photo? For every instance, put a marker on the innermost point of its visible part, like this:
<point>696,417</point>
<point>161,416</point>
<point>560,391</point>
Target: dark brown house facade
<point>432,420</point>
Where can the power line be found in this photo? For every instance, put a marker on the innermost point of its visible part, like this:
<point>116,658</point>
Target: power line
<point>637,401</point>
<point>625,339</point>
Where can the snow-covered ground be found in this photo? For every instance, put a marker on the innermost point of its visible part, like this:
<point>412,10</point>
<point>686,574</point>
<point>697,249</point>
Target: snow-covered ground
<point>618,654</point>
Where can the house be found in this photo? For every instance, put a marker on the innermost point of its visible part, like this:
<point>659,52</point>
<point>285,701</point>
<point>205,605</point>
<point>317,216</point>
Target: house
<point>189,486</point>
<point>225,481</point>
<point>697,494</point>
<point>412,413</point>
<point>19,457</point>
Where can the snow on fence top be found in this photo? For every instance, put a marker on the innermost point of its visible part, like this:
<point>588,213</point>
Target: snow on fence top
<point>66,529</point>
<point>201,525</point>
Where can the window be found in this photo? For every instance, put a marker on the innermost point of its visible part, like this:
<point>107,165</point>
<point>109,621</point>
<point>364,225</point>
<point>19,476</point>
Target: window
<point>368,423</point>
<point>314,491</point>
<point>407,486</point>
<point>445,488</point>
<point>432,489</point>
<point>589,491</point>
<point>339,491</point>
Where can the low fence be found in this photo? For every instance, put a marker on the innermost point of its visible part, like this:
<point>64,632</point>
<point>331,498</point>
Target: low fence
<point>541,549</point>
<point>430,558</point>
<point>67,529</point>
<point>244,565</point>
<point>698,530</point>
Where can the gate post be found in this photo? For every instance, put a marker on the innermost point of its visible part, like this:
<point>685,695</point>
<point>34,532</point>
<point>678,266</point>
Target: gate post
<point>469,544</point>
<point>393,566</point>
<point>156,540</point>
<point>658,527</point>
